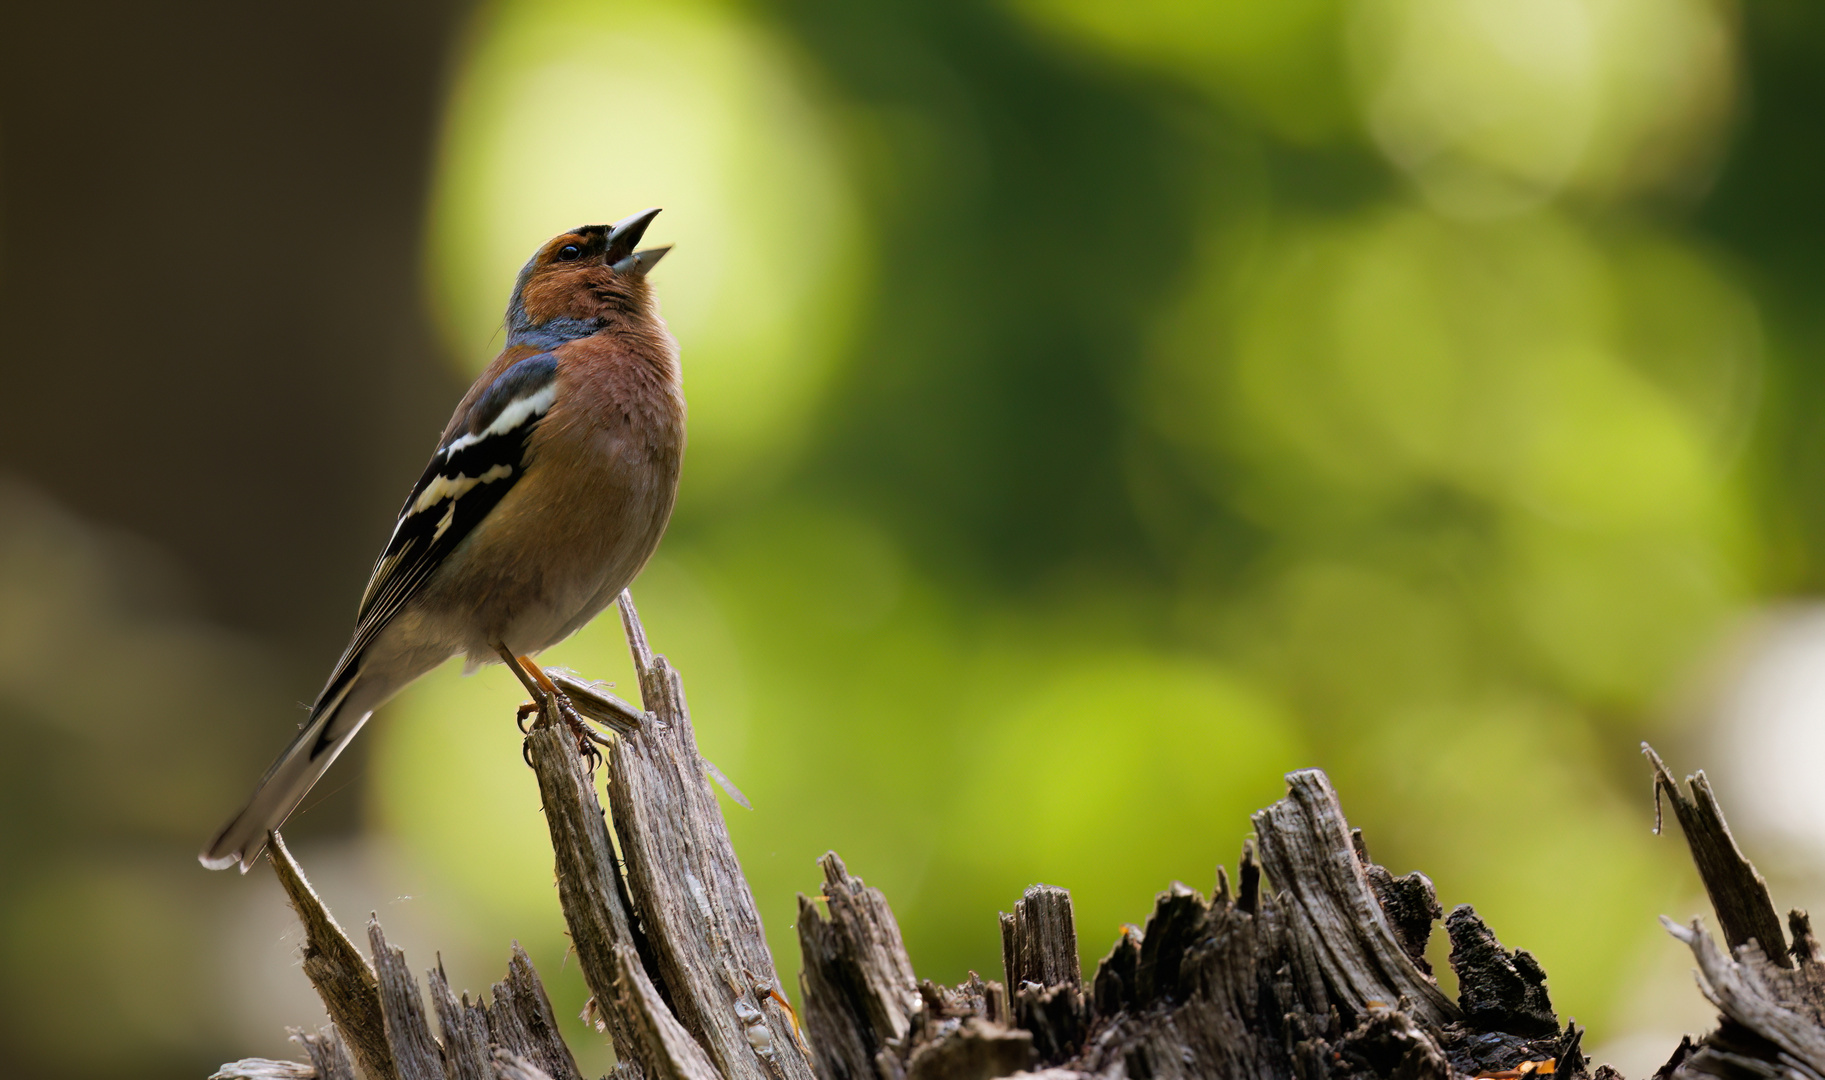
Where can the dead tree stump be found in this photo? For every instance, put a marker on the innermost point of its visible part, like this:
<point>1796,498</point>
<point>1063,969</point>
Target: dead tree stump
<point>1314,967</point>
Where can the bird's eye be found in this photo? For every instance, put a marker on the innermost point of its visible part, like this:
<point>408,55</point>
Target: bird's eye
<point>569,253</point>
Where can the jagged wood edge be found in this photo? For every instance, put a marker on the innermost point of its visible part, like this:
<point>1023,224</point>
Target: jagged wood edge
<point>708,952</point>
<point>346,984</point>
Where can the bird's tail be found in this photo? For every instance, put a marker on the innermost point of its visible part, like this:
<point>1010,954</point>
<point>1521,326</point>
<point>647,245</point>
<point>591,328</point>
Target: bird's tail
<point>290,778</point>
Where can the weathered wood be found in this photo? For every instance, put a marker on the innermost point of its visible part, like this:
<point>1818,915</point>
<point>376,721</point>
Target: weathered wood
<point>464,1027</point>
<point>976,1050</point>
<point>1039,940</point>
<point>867,1016</point>
<point>524,1023</point>
<point>415,1053</point>
<point>1305,980</point>
<point>855,979</point>
<point>1057,1017</point>
<point>1778,1009</point>
<point>1772,1003</point>
<point>1313,970</point>
<point>511,1066</point>
<point>1738,894</point>
<point>1307,851</point>
<point>669,1051</point>
<point>344,981</point>
<point>1268,985</point>
<point>265,1069</point>
<point>590,889</point>
<point>683,877</point>
<point>1498,990</point>
<point>595,701</point>
<point>329,1055</point>
<point>1199,991</point>
<point>1043,975</point>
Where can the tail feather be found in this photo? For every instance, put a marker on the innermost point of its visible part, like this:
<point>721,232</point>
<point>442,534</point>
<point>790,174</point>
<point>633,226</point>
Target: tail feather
<point>287,782</point>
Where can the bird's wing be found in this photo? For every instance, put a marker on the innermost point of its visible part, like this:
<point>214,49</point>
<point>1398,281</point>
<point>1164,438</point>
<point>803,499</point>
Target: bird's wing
<point>467,477</point>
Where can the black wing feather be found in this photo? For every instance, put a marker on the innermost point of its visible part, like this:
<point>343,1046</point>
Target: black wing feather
<point>469,475</point>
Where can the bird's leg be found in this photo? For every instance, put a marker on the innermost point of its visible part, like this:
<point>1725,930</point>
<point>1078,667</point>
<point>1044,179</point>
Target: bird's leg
<point>542,689</point>
<point>533,689</point>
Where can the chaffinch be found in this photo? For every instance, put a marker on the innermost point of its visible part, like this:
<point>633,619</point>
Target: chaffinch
<point>548,491</point>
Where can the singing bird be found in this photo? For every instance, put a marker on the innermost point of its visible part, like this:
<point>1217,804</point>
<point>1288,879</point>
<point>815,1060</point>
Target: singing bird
<point>547,493</point>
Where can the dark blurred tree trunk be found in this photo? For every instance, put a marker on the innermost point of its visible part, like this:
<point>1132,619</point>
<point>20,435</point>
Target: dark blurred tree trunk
<point>210,219</point>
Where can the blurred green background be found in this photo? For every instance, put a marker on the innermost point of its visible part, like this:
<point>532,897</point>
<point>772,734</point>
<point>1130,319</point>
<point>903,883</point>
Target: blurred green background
<point>1097,411</point>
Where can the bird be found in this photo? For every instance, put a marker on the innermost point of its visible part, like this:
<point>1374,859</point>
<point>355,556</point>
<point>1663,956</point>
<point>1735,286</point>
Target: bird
<point>548,491</point>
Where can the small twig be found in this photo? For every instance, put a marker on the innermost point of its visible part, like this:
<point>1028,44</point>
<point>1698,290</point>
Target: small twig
<point>595,703</point>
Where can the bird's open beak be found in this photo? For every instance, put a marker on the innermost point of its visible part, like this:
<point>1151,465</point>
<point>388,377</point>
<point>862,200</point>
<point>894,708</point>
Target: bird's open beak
<point>640,262</point>
<point>625,234</point>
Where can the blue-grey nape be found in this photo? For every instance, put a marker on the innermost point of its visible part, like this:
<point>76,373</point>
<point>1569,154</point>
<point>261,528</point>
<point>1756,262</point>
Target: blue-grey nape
<point>546,335</point>
<point>549,335</point>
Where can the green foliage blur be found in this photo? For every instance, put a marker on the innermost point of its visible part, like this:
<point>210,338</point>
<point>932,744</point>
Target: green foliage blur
<point>1097,411</point>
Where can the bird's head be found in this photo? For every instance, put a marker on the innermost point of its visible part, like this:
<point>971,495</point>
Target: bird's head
<point>583,281</point>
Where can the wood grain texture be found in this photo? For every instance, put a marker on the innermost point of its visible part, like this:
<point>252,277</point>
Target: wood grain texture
<point>856,981</point>
<point>1738,894</point>
<point>673,1051</point>
<point>415,1053</point>
<point>329,1055</point>
<point>1044,978</point>
<point>708,948</point>
<point>524,1022</point>
<point>1308,852</point>
<point>1039,939</point>
<point>1779,1006</point>
<point>342,977</point>
<point>590,890</point>
<point>464,1025</point>
<point>1313,969</point>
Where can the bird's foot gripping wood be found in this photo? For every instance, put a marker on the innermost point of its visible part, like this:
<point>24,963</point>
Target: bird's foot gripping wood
<point>547,699</point>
